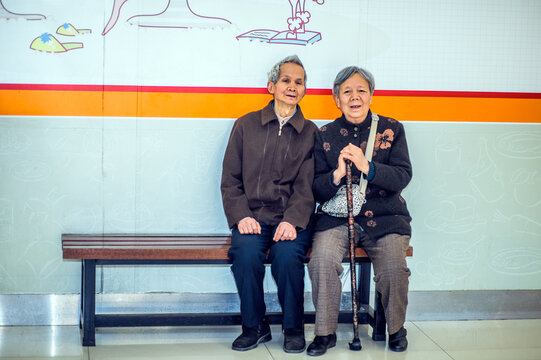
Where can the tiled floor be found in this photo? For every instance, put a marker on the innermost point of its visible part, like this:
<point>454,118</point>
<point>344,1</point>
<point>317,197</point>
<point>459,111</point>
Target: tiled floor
<point>429,340</point>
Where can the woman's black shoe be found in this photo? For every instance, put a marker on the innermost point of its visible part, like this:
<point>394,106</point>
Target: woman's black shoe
<point>398,341</point>
<point>320,345</point>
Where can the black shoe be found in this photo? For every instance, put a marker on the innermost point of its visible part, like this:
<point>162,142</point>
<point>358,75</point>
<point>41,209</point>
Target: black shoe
<point>398,341</point>
<point>320,345</point>
<point>294,341</point>
<point>251,337</point>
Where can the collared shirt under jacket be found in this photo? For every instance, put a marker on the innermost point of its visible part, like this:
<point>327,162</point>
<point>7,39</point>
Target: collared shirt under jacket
<point>267,171</point>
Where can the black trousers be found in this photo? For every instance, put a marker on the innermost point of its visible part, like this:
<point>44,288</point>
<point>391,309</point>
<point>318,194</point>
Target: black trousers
<point>249,252</point>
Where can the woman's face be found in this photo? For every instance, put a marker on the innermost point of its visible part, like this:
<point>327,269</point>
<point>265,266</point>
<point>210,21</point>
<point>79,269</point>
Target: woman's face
<point>354,98</point>
<point>289,89</point>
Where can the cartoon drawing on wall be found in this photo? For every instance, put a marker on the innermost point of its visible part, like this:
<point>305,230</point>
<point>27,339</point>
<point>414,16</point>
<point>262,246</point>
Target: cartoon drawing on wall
<point>6,213</point>
<point>177,14</point>
<point>30,171</point>
<point>7,14</point>
<point>296,33</point>
<point>46,42</point>
<point>447,153</point>
<point>13,142</point>
<point>518,145</point>
<point>521,224</point>
<point>455,215</point>
<point>516,259</point>
<point>68,30</point>
<point>454,262</point>
<point>117,5</point>
<point>525,183</point>
<point>487,169</point>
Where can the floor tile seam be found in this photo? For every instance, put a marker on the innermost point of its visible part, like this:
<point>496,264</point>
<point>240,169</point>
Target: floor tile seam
<point>269,351</point>
<point>431,339</point>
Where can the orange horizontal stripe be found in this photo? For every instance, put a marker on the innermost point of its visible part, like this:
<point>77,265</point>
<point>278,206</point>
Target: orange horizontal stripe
<point>200,102</point>
<point>459,109</point>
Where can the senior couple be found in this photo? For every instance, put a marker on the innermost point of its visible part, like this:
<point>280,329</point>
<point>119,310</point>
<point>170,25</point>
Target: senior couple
<point>276,167</point>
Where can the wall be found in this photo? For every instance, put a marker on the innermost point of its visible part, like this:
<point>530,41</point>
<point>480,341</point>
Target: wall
<point>126,132</point>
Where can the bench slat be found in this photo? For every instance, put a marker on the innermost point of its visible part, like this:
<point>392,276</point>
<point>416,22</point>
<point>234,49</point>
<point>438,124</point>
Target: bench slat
<point>153,247</point>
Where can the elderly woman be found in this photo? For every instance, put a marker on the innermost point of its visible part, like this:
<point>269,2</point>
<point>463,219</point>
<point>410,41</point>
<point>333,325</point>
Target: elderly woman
<point>382,227</point>
<point>268,170</point>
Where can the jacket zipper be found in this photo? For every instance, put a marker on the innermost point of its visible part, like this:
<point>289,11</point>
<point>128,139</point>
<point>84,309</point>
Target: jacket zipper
<point>276,148</point>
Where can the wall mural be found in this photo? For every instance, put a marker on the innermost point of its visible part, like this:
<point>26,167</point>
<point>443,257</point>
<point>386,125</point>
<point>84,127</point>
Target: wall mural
<point>177,14</point>
<point>7,14</point>
<point>296,32</point>
<point>47,42</point>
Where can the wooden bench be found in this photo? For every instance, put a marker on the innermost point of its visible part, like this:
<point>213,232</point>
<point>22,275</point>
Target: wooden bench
<point>160,249</point>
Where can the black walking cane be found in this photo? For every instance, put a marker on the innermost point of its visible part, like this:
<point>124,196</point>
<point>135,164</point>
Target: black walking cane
<point>356,343</point>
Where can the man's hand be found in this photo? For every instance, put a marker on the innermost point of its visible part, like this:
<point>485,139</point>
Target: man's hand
<point>249,225</point>
<point>285,231</point>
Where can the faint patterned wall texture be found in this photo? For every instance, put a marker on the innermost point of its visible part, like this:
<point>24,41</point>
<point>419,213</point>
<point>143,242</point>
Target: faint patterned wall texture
<point>91,140</point>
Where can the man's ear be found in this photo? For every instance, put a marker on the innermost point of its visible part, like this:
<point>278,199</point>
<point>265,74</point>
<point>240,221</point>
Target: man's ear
<point>270,87</point>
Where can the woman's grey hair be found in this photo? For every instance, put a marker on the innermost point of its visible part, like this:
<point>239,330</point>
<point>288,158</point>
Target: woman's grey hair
<point>274,73</point>
<point>348,72</point>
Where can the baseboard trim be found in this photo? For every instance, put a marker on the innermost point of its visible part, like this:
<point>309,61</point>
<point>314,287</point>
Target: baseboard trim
<point>63,309</point>
<point>474,305</point>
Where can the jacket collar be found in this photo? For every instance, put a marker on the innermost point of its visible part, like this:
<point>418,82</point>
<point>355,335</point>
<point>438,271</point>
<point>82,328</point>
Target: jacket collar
<point>268,115</point>
<point>349,125</point>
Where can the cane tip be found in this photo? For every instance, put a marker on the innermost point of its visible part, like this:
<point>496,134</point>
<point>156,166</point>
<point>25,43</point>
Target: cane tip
<point>355,345</point>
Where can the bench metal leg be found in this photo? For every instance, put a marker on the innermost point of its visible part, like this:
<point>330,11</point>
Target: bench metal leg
<point>364,283</point>
<point>88,302</point>
<point>82,295</point>
<point>378,331</point>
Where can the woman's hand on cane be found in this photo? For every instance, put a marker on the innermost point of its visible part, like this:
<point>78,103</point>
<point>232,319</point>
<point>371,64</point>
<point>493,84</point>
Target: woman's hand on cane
<point>356,155</point>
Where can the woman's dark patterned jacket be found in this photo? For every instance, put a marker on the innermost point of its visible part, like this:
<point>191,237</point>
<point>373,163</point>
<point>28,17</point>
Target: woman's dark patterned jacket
<point>385,210</point>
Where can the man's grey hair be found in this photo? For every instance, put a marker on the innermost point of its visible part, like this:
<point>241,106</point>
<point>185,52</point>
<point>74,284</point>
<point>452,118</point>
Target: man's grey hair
<point>274,73</point>
<point>348,72</point>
